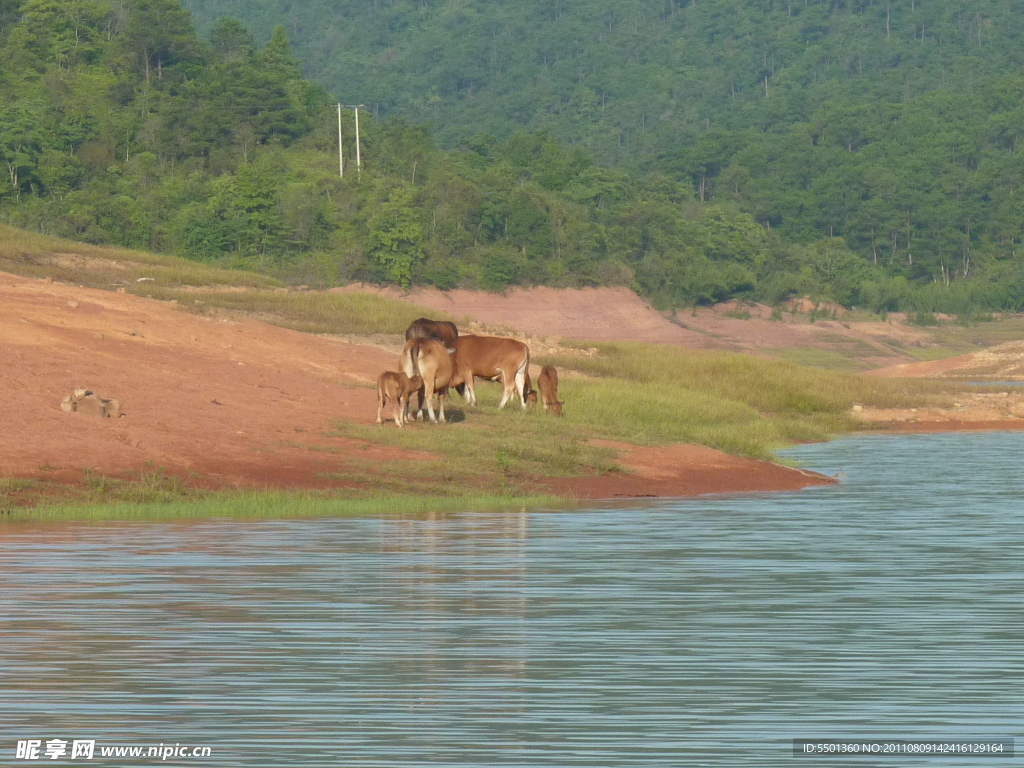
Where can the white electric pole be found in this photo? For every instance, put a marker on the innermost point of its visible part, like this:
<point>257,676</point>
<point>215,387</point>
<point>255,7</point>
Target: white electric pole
<point>359,164</point>
<point>341,157</point>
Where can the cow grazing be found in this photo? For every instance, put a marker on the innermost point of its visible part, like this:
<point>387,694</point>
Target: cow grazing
<point>494,359</point>
<point>396,387</point>
<point>547,383</point>
<point>429,360</point>
<point>438,330</point>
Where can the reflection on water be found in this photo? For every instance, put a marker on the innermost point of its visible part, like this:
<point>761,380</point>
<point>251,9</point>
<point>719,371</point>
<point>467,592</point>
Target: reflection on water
<point>703,632</point>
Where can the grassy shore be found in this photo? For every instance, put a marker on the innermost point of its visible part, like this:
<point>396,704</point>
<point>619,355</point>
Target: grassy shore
<point>274,505</point>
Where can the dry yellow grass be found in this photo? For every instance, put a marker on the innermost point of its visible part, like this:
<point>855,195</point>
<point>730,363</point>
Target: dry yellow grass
<point>34,255</point>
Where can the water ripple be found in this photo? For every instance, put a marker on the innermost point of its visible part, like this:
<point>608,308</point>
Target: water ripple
<point>704,632</point>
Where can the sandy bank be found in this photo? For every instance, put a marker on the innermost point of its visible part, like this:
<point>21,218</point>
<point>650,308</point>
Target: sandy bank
<point>687,470</point>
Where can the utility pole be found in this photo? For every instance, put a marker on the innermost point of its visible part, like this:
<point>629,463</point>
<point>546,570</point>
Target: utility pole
<point>359,159</point>
<point>341,154</point>
<point>359,164</point>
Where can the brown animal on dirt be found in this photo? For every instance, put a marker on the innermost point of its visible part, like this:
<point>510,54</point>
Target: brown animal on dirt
<point>492,358</point>
<point>429,360</point>
<point>85,401</point>
<point>438,330</point>
<point>395,387</point>
<point>547,383</point>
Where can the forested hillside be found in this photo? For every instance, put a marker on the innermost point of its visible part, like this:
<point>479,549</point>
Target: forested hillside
<point>892,124</point>
<point>119,124</point>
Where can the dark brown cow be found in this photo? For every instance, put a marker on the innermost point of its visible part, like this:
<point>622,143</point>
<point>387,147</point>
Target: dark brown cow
<point>438,330</point>
<point>397,388</point>
<point>429,360</point>
<point>494,359</point>
<point>547,383</point>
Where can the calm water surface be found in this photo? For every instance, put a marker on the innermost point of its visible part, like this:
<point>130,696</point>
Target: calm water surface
<point>702,632</point>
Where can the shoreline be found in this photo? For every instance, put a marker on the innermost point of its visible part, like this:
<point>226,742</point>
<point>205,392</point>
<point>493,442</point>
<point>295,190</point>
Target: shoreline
<point>684,470</point>
<point>936,426</point>
<point>220,405</point>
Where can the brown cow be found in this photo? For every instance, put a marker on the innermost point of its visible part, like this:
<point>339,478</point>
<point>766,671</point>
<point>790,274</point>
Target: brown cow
<point>438,330</point>
<point>492,358</point>
<point>547,383</point>
<point>429,360</point>
<point>396,387</point>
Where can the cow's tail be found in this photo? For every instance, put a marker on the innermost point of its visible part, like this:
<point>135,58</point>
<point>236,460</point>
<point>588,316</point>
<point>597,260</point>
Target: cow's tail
<point>410,358</point>
<point>522,376</point>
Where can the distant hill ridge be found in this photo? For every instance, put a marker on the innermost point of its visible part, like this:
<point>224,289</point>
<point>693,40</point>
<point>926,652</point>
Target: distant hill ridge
<point>120,125</point>
<point>893,125</point>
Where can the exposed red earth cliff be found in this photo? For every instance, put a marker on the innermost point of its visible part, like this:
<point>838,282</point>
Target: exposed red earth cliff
<point>618,314</point>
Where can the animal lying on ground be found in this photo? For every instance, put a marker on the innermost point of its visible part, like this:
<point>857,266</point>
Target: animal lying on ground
<point>429,360</point>
<point>395,387</point>
<point>547,383</point>
<point>494,359</point>
<point>438,330</point>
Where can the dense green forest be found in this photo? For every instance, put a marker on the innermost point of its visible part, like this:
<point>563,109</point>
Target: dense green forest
<point>757,149</point>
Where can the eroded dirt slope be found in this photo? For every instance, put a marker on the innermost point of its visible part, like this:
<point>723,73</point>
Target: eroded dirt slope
<point>618,314</point>
<point>233,402</point>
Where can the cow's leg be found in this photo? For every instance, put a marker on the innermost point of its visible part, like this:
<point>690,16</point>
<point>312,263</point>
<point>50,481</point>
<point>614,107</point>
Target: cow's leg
<point>418,414</point>
<point>429,394</point>
<point>505,393</point>
<point>408,403</point>
<point>466,390</point>
<point>521,375</point>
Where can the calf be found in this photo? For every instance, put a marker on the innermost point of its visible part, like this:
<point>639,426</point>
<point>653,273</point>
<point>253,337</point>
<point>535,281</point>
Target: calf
<point>397,388</point>
<point>547,383</point>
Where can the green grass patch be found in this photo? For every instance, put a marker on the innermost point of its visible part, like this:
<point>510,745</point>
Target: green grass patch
<point>828,359</point>
<point>656,414</point>
<point>277,505</point>
<point>769,386</point>
<point>484,447</point>
<point>651,395</point>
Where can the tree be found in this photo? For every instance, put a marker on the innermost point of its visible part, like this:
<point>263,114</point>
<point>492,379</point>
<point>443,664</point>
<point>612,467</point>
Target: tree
<point>395,237</point>
<point>229,37</point>
<point>158,34</point>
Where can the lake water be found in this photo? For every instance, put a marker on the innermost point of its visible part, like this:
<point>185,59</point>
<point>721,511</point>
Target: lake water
<point>707,632</point>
